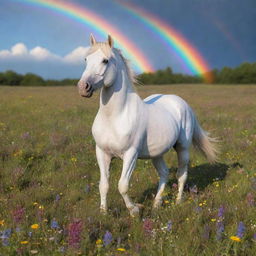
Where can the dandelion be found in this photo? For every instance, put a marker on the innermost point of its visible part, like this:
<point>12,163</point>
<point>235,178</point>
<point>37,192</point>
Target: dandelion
<point>121,249</point>
<point>235,238</point>
<point>240,230</point>
<point>73,159</point>
<point>107,239</point>
<point>1,222</point>
<point>74,233</point>
<point>148,226</point>
<point>24,242</point>
<point>35,226</point>
<point>99,241</point>
<point>213,220</point>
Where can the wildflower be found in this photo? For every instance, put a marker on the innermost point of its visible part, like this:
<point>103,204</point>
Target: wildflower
<point>121,249</point>
<point>18,214</point>
<point>206,232</point>
<point>220,230</point>
<point>221,212</point>
<point>99,241</point>
<point>148,226</point>
<point>174,185</point>
<point>235,238</point>
<point>54,224</point>
<point>35,226</point>
<point>169,225</point>
<point>87,188</point>
<point>73,159</point>
<point>25,136</point>
<point>166,202</point>
<point>74,233</point>
<point>5,242</point>
<point>41,207</point>
<point>30,233</point>
<point>198,209</point>
<point>250,199</point>
<point>193,189</point>
<point>213,220</point>
<point>1,222</point>
<point>6,233</point>
<point>107,239</point>
<point>254,237</point>
<point>240,230</point>
<point>35,203</point>
<point>24,242</point>
<point>57,198</point>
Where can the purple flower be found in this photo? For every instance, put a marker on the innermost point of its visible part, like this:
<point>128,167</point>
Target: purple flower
<point>250,199</point>
<point>74,233</point>
<point>174,185</point>
<point>240,229</point>
<point>18,214</point>
<point>220,230</point>
<point>30,233</point>
<point>5,242</point>
<point>221,212</point>
<point>57,198</point>
<point>169,225</point>
<point>198,209</point>
<point>25,136</point>
<point>54,224</point>
<point>87,188</point>
<point>148,226</point>
<point>206,232</point>
<point>193,189</point>
<point>6,233</point>
<point>107,239</point>
<point>254,237</point>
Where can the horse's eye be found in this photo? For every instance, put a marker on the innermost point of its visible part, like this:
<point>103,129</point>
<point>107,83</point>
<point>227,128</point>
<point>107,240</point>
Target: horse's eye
<point>105,61</point>
<point>85,59</point>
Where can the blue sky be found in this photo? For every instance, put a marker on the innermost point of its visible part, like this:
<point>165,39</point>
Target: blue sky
<point>37,40</point>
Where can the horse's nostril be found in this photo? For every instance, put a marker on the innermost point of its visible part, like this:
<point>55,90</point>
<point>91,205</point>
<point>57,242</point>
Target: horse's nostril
<point>87,86</point>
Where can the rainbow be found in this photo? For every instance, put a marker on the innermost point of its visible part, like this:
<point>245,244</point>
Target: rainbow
<point>89,18</point>
<point>185,50</point>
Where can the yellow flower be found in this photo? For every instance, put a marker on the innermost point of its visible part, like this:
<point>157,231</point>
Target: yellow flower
<point>73,159</point>
<point>121,249</point>
<point>166,201</point>
<point>1,222</point>
<point>35,226</point>
<point>24,242</point>
<point>41,207</point>
<point>213,220</point>
<point>200,204</point>
<point>35,203</point>
<point>235,238</point>
<point>99,241</point>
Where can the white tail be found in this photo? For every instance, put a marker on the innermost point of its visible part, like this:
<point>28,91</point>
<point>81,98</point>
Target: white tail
<point>204,143</point>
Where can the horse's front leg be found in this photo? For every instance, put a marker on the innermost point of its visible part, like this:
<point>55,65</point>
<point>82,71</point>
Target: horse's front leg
<point>104,160</point>
<point>129,161</point>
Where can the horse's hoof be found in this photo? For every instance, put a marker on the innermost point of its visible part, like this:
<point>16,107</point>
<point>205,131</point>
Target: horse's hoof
<point>157,204</point>
<point>103,210</point>
<point>134,211</point>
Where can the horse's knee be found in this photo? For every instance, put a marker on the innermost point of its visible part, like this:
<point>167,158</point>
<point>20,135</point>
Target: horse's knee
<point>103,186</point>
<point>122,186</point>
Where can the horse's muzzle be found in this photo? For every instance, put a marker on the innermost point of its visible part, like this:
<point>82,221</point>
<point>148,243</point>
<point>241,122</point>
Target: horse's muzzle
<point>85,90</point>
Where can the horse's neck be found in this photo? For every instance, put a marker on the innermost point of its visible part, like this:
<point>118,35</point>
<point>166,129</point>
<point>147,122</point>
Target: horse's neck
<point>121,95</point>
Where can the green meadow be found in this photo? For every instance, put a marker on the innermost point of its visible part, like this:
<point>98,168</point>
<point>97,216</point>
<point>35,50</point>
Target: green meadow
<point>49,198</point>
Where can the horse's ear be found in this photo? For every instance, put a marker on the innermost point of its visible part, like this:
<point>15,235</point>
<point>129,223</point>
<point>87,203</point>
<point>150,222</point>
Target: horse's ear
<point>110,41</point>
<point>92,40</point>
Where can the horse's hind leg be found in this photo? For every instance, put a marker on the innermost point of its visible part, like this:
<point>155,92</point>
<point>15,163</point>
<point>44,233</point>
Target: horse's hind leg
<point>163,172</point>
<point>182,173</point>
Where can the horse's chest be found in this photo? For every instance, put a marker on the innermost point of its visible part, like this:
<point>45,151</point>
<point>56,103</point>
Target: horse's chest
<point>113,136</point>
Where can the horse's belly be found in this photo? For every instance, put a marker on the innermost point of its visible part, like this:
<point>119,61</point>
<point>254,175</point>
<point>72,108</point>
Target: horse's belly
<point>161,134</point>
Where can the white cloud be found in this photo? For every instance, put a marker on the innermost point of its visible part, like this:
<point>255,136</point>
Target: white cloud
<point>76,55</point>
<point>39,53</point>
<point>19,49</point>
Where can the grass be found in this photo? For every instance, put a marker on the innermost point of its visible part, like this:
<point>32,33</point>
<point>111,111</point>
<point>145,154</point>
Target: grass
<point>49,177</point>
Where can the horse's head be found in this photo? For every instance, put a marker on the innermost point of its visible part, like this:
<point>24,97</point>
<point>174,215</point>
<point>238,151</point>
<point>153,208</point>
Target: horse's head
<point>100,67</point>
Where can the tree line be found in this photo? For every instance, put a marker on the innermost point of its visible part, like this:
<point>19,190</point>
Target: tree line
<point>243,74</point>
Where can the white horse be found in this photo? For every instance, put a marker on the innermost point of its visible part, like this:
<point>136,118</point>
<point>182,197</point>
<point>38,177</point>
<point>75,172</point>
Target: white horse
<point>130,128</point>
